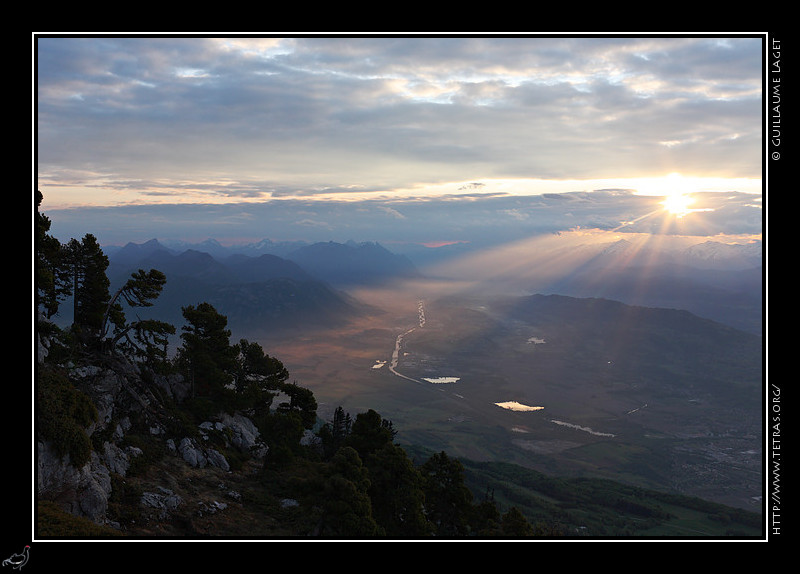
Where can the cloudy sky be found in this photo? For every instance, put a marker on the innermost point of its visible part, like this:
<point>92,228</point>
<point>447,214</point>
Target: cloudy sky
<point>380,138</point>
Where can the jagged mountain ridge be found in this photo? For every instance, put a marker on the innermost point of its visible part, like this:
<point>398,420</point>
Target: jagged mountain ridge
<point>351,263</point>
<point>339,264</point>
<point>257,294</point>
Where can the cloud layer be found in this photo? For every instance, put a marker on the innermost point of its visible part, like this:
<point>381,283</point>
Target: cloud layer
<point>480,220</point>
<point>124,120</point>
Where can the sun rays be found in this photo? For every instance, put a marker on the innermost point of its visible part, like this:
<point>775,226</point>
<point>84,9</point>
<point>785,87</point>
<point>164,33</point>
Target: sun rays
<point>677,204</point>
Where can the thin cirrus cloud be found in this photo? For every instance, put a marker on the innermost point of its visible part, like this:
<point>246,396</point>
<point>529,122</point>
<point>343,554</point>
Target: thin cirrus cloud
<point>138,121</point>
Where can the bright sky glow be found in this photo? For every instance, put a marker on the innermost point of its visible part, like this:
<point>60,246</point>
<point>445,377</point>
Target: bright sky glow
<point>161,121</point>
<point>678,204</point>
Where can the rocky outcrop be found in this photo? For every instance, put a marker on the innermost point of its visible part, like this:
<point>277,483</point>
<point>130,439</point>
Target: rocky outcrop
<point>174,386</point>
<point>127,404</point>
<point>235,431</point>
<point>85,491</point>
<point>81,491</point>
<point>244,434</point>
<point>161,504</point>
<point>200,457</point>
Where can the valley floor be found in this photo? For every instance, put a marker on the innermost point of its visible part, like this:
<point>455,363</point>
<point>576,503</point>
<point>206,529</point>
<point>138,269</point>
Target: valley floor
<point>585,419</point>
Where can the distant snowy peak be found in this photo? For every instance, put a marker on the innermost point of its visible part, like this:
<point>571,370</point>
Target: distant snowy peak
<point>269,246</point>
<point>711,255</point>
<point>733,255</point>
<point>263,245</point>
<point>618,247</point>
<point>215,248</point>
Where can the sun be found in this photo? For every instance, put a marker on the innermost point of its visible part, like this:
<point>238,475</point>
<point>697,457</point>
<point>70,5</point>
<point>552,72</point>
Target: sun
<point>675,190</point>
<point>678,203</point>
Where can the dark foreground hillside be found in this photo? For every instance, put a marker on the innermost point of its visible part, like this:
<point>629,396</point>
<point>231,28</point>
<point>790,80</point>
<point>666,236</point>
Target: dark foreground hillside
<point>217,441</point>
<point>126,453</point>
<point>161,493</point>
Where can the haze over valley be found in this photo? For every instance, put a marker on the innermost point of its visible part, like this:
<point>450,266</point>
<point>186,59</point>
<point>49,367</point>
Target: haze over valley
<point>581,356</point>
<point>539,251</point>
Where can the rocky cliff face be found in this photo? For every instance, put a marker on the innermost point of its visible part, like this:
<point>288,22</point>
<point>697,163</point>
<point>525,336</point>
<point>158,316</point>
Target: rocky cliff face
<point>133,421</point>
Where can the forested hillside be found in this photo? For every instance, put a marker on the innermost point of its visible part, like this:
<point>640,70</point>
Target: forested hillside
<point>302,477</point>
<point>216,439</point>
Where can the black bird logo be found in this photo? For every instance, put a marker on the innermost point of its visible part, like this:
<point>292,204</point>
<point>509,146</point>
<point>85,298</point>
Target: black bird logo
<point>17,561</point>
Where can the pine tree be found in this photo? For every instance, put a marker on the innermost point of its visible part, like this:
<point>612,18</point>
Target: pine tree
<point>333,434</point>
<point>515,525</point>
<point>258,377</point>
<point>342,426</point>
<point>87,264</point>
<point>396,493</point>
<point>207,357</point>
<point>346,506</point>
<point>448,502</point>
<point>301,403</point>
<point>51,285</point>
<point>369,433</point>
<point>144,338</point>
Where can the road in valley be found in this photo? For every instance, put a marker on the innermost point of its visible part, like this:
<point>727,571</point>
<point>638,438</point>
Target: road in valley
<point>399,342</point>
